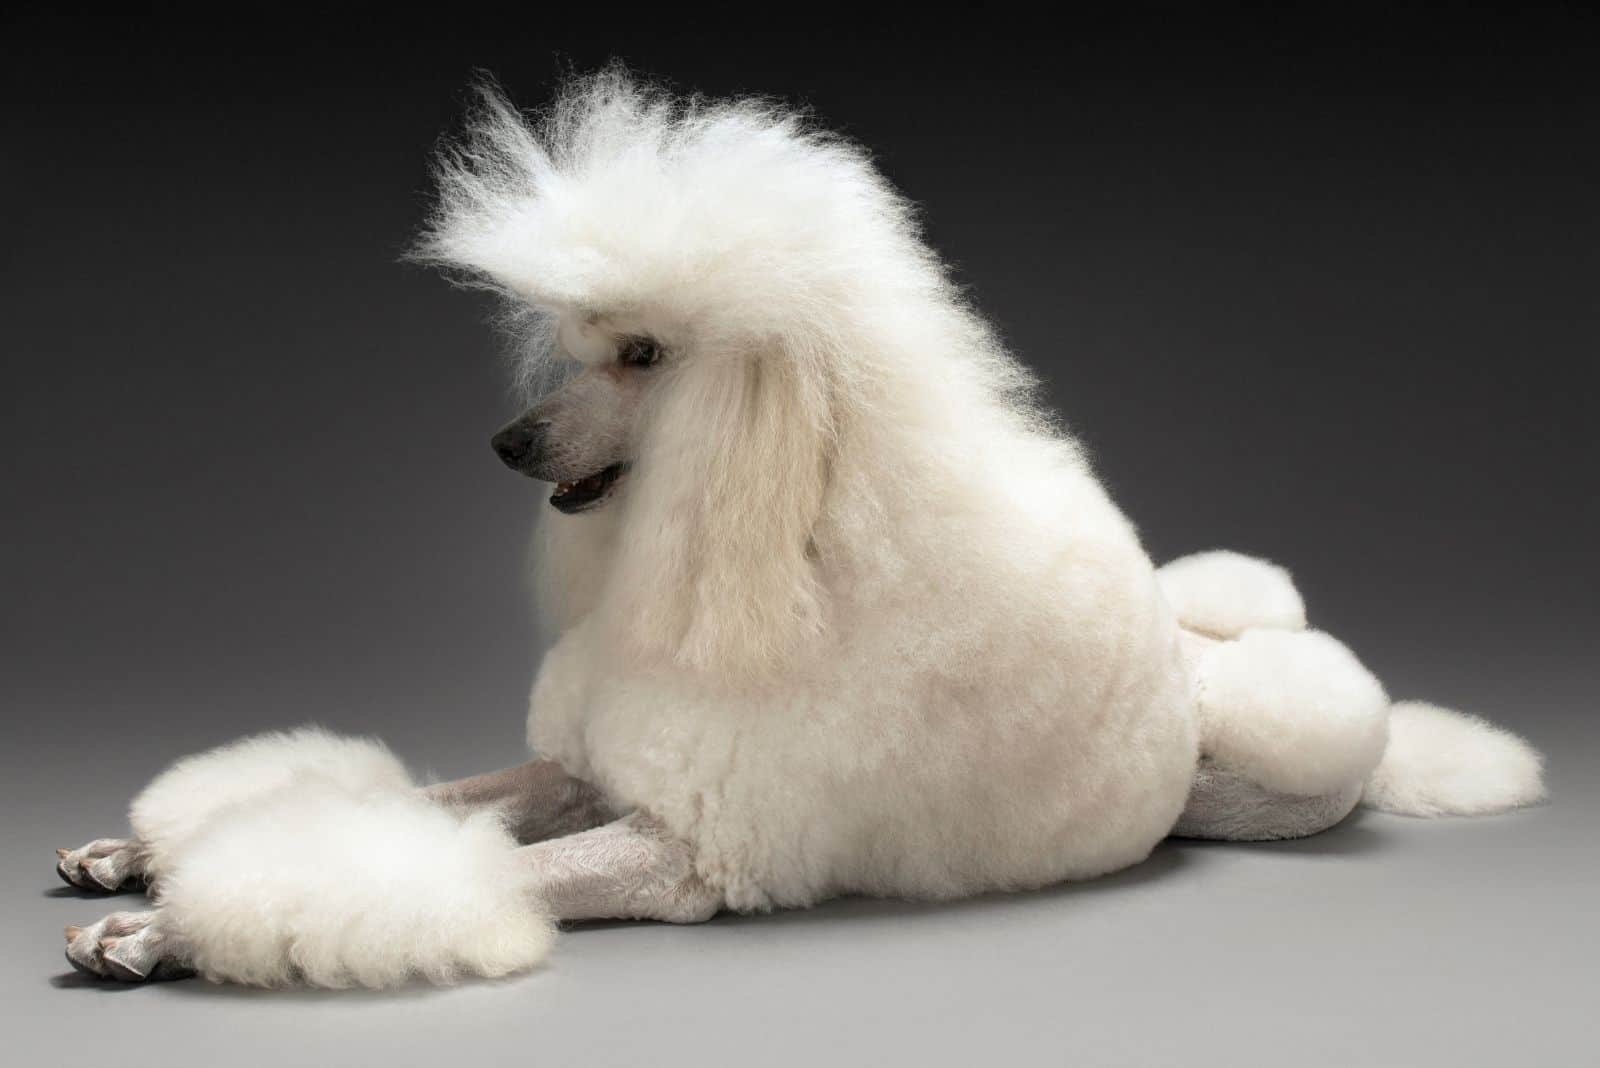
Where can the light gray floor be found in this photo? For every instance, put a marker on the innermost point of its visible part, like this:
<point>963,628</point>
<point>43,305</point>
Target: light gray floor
<point>1385,941</point>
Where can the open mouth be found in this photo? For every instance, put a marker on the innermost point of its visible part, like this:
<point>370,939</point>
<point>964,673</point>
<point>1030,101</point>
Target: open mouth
<point>585,493</point>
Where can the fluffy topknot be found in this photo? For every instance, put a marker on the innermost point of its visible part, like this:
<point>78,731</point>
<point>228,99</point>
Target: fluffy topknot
<point>735,218</point>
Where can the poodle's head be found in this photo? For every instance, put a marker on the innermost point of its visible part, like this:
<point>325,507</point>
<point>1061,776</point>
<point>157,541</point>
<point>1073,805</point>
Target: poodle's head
<point>584,435</point>
<point>717,288</point>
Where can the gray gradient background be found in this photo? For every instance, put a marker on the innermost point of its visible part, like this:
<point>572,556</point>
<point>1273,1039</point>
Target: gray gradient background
<point>1320,291</point>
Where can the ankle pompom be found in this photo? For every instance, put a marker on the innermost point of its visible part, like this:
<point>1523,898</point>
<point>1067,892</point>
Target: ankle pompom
<point>319,884</point>
<point>184,798</point>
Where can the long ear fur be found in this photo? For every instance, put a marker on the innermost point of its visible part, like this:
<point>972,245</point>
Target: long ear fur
<point>715,567</point>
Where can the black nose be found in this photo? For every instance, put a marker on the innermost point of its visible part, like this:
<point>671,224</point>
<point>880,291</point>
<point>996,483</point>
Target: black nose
<point>518,444</point>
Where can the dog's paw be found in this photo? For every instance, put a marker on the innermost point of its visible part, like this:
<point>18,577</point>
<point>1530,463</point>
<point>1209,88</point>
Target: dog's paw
<point>126,946</point>
<point>109,865</point>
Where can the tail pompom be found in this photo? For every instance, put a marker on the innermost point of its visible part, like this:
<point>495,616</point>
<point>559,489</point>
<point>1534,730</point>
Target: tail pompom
<point>1222,594</point>
<point>318,884</point>
<point>1444,763</point>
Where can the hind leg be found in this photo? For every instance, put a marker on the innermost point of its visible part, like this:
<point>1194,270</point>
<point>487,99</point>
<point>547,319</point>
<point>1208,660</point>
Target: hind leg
<point>1224,804</point>
<point>1293,711</point>
<point>1291,727</point>
<point>1291,724</point>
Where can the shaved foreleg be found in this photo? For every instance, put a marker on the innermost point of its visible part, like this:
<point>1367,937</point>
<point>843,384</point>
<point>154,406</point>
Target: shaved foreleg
<point>538,800</point>
<point>631,869</point>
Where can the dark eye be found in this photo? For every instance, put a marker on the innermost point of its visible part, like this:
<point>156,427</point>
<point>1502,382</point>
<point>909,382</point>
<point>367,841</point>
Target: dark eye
<point>639,352</point>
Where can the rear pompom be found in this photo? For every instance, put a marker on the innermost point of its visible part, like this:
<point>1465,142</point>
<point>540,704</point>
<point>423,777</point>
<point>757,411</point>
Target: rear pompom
<point>1222,594</point>
<point>1292,711</point>
<point>1445,763</point>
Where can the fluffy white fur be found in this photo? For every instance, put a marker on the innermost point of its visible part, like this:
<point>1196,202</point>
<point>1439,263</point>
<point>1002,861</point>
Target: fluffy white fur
<point>1440,762</point>
<point>189,794</point>
<point>304,856</point>
<point>1224,593</point>
<point>1293,711</point>
<point>323,885</point>
<point>858,619</point>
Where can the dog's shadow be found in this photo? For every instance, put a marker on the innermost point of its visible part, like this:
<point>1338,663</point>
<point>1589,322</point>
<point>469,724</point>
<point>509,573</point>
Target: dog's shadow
<point>1163,863</point>
<point>79,981</point>
<point>77,894</point>
<point>1352,836</point>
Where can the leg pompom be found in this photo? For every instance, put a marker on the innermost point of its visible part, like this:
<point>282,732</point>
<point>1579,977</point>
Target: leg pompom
<point>1222,594</point>
<point>1293,711</point>
<point>322,885</point>
<point>184,798</point>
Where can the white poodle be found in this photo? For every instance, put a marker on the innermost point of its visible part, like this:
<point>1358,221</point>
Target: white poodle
<point>836,609</point>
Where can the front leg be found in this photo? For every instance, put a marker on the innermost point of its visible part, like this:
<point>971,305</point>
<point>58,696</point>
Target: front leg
<point>538,800</point>
<point>286,925</point>
<point>131,946</point>
<point>631,869</point>
<point>110,865</point>
<point>186,797</point>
